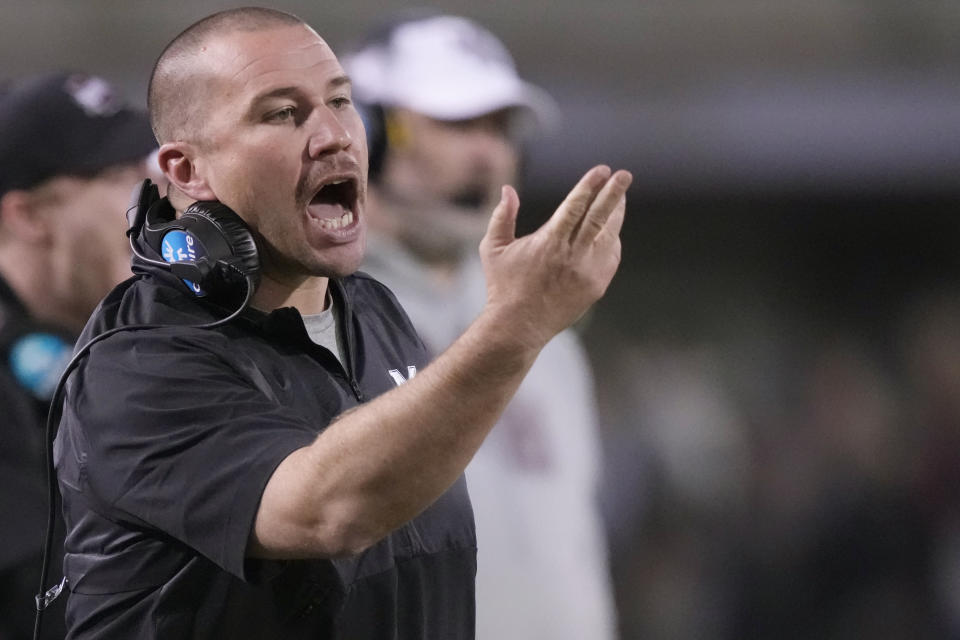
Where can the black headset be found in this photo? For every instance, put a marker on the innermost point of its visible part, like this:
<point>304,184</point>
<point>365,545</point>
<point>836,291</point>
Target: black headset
<point>211,249</point>
<point>374,123</point>
<point>209,246</point>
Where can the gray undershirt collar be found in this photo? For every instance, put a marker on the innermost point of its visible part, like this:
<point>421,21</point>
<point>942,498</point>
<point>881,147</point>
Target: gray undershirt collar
<point>322,329</point>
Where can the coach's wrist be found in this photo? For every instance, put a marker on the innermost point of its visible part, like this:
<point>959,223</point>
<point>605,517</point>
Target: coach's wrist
<point>510,335</point>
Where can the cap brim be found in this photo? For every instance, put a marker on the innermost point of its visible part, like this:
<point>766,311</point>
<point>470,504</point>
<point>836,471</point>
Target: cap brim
<point>535,105</point>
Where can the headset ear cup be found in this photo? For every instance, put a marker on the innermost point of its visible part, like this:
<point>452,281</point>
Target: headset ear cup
<point>372,116</point>
<point>229,245</point>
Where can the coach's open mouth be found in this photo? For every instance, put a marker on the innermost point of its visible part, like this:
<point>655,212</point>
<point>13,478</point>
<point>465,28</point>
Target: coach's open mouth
<point>335,203</point>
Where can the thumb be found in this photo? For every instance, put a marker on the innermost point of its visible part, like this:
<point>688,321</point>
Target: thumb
<point>502,228</point>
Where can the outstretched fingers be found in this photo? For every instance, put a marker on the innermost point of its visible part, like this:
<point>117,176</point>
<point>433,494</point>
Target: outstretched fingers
<point>606,210</point>
<point>571,211</point>
<point>615,221</point>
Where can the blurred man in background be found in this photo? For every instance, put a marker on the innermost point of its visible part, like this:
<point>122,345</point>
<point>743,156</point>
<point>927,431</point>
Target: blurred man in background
<point>446,113</point>
<point>71,153</point>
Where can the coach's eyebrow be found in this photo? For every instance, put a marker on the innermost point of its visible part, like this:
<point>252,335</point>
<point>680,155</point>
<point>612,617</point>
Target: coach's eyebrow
<point>295,91</point>
<point>279,92</point>
<point>339,81</point>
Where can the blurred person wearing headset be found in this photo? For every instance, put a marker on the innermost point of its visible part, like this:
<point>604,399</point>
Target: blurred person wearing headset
<point>446,114</point>
<point>71,152</point>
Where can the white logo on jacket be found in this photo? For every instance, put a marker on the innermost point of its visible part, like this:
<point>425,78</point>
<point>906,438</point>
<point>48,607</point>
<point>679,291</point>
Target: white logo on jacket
<point>398,377</point>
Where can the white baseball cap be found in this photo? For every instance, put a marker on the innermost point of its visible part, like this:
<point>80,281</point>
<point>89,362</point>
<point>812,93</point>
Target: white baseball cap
<point>448,68</point>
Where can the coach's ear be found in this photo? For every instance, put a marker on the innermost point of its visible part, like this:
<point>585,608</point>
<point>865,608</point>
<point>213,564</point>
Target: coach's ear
<point>182,167</point>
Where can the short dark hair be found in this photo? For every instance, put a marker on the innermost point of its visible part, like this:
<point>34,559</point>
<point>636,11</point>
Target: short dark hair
<point>176,88</point>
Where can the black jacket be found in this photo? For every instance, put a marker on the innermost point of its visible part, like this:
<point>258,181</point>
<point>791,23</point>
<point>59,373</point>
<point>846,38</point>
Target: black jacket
<point>167,440</point>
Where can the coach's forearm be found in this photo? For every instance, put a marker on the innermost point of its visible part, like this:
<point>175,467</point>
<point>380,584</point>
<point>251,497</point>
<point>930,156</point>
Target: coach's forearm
<point>381,464</point>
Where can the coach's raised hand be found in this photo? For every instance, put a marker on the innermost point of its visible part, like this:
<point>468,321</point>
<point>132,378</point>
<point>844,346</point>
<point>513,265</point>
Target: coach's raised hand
<point>542,283</point>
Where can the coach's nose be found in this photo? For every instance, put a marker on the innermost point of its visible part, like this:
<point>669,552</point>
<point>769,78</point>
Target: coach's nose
<point>329,136</point>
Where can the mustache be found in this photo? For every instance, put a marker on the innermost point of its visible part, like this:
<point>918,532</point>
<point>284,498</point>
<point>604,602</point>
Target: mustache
<point>309,183</point>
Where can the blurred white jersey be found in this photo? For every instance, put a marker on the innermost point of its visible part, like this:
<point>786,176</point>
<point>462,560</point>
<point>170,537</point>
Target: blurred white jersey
<point>542,571</point>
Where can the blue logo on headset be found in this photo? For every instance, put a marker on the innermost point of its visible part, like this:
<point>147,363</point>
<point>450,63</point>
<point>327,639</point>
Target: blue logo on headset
<point>178,246</point>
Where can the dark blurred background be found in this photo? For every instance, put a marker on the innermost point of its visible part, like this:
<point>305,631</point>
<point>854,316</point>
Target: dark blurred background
<point>778,360</point>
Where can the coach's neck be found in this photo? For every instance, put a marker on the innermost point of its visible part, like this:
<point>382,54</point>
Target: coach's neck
<point>309,295</point>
